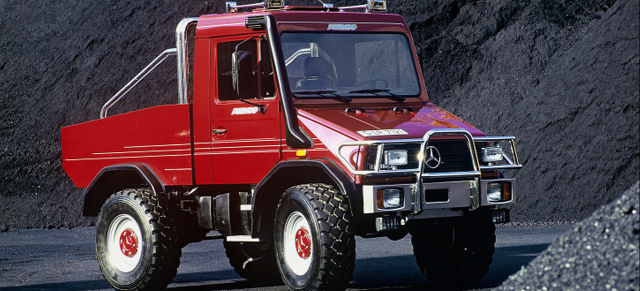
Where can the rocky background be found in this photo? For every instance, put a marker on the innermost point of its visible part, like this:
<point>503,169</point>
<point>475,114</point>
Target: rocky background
<point>599,253</point>
<point>562,76</point>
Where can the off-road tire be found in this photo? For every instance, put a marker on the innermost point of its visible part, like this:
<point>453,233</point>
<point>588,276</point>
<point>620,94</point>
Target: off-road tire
<point>149,260</point>
<point>455,252</point>
<point>316,216</point>
<point>255,262</point>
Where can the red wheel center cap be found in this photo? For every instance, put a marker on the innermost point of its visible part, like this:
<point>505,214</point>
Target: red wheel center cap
<point>129,243</point>
<point>303,243</point>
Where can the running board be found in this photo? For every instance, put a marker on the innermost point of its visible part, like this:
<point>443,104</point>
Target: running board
<point>242,238</point>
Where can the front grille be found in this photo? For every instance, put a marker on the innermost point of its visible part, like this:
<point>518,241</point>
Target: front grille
<point>455,156</point>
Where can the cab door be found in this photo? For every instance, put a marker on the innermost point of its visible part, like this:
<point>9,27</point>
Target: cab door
<point>245,136</point>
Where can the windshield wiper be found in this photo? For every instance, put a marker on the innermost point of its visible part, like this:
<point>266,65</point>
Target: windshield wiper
<point>391,96</point>
<point>324,92</point>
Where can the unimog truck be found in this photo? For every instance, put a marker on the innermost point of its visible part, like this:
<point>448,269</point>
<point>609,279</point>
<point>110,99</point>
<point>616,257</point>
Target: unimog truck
<point>294,130</point>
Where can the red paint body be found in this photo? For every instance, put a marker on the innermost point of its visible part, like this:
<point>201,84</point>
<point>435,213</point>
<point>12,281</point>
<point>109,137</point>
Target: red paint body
<point>212,141</point>
<point>159,137</point>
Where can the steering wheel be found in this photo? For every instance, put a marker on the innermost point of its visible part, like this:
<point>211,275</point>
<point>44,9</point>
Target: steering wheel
<point>373,82</point>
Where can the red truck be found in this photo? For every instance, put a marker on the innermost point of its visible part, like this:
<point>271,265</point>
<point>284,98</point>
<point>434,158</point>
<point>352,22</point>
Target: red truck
<point>295,129</point>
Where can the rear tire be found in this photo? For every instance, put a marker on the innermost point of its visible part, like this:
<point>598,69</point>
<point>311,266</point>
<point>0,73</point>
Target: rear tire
<point>315,248</point>
<point>136,245</point>
<point>255,262</point>
<point>455,252</point>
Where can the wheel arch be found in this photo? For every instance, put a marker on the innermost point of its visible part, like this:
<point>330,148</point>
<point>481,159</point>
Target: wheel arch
<point>287,174</point>
<point>115,178</point>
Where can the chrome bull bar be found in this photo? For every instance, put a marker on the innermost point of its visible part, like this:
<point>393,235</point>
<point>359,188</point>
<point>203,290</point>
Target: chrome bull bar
<point>347,150</point>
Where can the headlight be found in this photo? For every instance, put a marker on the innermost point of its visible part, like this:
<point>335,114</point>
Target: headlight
<point>389,198</point>
<point>396,157</point>
<point>494,192</point>
<point>491,154</point>
<point>499,192</point>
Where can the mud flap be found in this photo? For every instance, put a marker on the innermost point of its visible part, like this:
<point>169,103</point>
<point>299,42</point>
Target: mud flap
<point>223,214</point>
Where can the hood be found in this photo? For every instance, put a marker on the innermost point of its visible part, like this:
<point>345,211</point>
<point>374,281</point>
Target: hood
<point>380,122</point>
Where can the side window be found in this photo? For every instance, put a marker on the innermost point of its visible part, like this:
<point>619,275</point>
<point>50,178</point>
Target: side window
<point>247,54</point>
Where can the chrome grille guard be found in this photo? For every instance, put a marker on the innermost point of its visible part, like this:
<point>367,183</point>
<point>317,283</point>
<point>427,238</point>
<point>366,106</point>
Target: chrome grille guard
<point>510,160</point>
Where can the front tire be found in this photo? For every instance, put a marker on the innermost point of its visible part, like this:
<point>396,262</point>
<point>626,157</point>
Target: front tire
<point>136,244</point>
<point>315,248</point>
<point>455,252</point>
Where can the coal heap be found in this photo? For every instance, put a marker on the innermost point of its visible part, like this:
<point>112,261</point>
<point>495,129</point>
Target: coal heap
<point>600,253</point>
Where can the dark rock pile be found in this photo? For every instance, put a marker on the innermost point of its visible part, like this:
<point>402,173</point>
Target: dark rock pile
<point>562,76</point>
<point>600,253</point>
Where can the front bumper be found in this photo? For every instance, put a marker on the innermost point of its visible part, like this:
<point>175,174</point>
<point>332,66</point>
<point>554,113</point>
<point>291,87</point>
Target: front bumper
<point>447,170</point>
<point>438,199</point>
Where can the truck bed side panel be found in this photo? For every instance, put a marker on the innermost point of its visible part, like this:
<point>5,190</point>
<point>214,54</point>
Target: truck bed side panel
<point>158,137</point>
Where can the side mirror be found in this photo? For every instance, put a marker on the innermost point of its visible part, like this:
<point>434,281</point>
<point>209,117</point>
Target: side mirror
<point>244,80</point>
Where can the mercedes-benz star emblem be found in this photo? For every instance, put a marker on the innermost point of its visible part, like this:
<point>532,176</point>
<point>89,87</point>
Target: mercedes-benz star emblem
<point>433,157</point>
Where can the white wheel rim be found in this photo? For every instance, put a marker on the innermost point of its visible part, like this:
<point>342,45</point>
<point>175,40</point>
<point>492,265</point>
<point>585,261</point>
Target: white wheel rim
<point>124,243</point>
<point>298,244</point>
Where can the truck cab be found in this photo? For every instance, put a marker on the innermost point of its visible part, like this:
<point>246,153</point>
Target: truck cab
<point>302,127</point>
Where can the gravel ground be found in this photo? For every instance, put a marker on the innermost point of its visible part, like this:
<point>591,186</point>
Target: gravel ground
<point>600,253</point>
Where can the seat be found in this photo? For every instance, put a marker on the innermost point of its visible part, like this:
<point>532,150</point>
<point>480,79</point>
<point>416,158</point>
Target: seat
<point>318,75</point>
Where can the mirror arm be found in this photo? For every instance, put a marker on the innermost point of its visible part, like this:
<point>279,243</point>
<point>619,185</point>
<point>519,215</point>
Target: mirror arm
<point>261,108</point>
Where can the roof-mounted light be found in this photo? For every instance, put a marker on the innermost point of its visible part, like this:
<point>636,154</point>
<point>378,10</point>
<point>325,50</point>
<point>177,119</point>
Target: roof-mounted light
<point>372,5</point>
<point>233,7</point>
<point>273,4</point>
<point>377,5</point>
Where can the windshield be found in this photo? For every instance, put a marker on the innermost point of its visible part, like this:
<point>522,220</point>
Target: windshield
<point>350,65</point>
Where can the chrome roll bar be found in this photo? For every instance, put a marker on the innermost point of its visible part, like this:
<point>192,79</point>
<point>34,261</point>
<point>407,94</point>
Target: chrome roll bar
<point>150,67</point>
<point>182,50</point>
<point>182,66</point>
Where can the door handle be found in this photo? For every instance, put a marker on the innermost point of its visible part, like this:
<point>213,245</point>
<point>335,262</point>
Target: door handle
<point>219,131</point>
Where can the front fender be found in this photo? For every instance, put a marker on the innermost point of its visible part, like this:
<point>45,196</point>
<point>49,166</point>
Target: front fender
<point>290,173</point>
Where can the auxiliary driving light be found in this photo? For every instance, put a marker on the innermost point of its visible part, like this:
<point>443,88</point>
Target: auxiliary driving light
<point>389,198</point>
<point>498,192</point>
<point>492,154</point>
<point>396,157</point>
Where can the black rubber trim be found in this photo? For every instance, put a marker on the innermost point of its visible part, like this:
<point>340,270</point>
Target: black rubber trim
<point>337,175</point>
<point>99,189</point>
<point>268,192</point>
